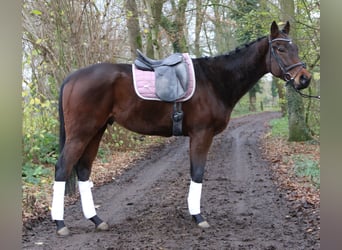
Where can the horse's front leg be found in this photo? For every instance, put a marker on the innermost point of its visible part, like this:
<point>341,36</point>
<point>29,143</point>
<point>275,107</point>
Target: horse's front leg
<point>199,147</point>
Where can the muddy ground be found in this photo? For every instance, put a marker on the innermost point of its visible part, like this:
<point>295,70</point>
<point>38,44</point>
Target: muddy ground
<point>146,206</point>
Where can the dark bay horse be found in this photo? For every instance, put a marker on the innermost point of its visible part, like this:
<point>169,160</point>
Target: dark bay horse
<point>98,95</point>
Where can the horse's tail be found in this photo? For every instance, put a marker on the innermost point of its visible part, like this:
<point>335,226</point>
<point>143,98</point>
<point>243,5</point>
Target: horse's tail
<point>61,119</point>
<point>70,187</point>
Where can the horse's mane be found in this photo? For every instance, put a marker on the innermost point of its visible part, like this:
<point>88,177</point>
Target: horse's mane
<point>208,65</point>
<point>242,47</point>
<point>237,50</point>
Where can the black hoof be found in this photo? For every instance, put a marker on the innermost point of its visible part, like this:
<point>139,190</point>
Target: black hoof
<point>200,221</point>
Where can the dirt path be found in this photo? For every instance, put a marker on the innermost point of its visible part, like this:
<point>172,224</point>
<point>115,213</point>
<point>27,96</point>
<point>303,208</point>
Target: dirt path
<point>146,206</point>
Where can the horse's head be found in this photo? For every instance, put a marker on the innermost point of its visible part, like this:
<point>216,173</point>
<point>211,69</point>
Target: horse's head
<point>284,61</point>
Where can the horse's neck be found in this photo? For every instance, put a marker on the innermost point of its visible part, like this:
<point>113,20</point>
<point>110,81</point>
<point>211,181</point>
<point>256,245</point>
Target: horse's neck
<point>234,74</point>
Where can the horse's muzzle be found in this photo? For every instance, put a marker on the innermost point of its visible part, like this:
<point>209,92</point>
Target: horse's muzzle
<point>304,82</point>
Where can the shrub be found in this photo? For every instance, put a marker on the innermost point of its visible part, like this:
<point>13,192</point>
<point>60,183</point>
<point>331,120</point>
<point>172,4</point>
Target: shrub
<point>40,140</point>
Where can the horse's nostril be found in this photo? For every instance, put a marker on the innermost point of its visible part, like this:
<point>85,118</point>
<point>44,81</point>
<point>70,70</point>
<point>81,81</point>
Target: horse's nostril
<point>304,79</point>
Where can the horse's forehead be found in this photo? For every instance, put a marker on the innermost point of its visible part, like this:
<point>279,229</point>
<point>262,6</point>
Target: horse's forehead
<point>284,36</point>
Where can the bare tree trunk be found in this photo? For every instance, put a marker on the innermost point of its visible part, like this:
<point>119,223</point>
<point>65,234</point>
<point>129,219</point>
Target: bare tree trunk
<point>199,21</point>
<point>219,40</point>
<point>252,101</point>
<point>175,28</point>
<point>224,39</point>
<point>281,94</point>
<point>133,26</point>
<point>154,8</point>
<point>298,130</point>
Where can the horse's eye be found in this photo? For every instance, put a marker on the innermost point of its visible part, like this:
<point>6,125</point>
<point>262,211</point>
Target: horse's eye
<point>281,49</point>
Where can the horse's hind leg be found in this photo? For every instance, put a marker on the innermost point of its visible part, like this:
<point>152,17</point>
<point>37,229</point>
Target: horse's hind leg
<point>79,154</point>
<point>83,169</point>
<point>68,158</point>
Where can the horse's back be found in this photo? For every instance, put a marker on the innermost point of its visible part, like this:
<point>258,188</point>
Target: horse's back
<point>98,74</point>
<point>92,82</point>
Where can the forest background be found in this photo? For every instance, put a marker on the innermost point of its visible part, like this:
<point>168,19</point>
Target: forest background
<point>62,36</point>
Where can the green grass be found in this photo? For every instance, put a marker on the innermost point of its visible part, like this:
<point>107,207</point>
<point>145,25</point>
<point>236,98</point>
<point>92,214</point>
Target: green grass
<point>280,127</point>
<point>306,166</point>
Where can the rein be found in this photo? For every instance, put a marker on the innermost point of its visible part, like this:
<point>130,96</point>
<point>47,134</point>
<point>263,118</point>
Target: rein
<point>286,75</point>
<point>290,82</point>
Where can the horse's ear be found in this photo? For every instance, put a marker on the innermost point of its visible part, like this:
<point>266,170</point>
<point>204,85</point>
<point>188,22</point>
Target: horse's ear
<point>274,30</point>
<point>286,28</point>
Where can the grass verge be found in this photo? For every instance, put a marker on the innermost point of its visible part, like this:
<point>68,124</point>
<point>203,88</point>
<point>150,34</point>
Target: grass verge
<point>296,165</point>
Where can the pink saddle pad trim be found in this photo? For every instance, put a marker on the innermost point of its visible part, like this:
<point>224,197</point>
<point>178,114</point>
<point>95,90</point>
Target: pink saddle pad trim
<point>144,82</point>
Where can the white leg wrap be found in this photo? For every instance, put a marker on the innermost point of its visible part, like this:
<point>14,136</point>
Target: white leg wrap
<point>57,208</point>
<point>87,199</point>
<point>194,198</point>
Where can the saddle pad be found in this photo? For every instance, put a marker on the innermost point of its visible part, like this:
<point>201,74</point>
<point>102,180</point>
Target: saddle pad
<point>144,82</point>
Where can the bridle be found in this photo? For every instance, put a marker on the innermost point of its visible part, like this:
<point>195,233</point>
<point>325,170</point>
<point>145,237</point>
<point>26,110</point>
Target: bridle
<point>285,69</point>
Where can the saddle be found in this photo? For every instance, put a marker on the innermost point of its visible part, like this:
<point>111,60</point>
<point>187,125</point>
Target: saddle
<point>171,75</point>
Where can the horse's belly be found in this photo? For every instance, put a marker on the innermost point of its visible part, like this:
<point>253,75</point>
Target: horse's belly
<point>146,120</point>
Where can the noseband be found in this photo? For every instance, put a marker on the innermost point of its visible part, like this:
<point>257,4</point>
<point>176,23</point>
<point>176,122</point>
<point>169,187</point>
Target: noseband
<point>285,69</point>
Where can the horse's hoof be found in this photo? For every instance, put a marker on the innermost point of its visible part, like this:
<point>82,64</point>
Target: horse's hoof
<point>103,226</point>
<point>203,224</point>
<point>64,231</point>
<point>200,221</point>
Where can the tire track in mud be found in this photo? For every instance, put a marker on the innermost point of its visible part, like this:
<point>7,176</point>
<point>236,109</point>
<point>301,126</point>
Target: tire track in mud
<point>146,206</point>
